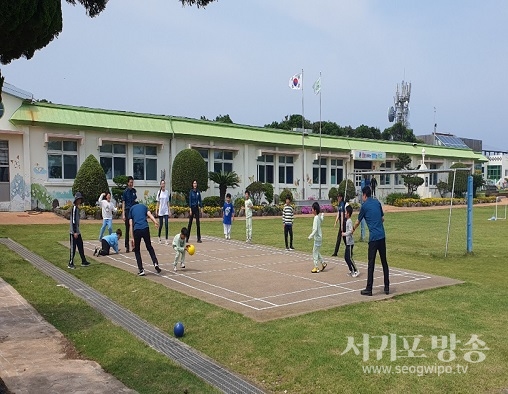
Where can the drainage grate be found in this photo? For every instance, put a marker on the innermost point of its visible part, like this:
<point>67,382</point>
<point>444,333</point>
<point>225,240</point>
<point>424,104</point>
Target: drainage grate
<point>189,358</point>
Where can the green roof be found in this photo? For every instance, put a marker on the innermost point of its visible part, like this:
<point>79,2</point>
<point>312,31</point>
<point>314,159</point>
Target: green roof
<point>70,117</point>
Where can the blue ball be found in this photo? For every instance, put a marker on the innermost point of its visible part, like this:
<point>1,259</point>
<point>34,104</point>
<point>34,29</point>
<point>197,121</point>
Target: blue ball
<point>178,330</point>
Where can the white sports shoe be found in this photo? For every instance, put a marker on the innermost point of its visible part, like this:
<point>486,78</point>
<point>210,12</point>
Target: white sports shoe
<point>174,268</point>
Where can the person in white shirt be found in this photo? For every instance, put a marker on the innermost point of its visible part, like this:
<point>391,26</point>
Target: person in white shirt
<point>162,209</point>
<point>107,213</point>
<point>248,217</point>
<point>317,235</point>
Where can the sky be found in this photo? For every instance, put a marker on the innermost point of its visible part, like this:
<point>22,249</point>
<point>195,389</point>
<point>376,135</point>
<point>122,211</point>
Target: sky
<point>236,57</point>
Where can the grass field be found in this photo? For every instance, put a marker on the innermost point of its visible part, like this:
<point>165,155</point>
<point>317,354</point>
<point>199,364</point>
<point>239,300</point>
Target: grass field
<point>300,354</point>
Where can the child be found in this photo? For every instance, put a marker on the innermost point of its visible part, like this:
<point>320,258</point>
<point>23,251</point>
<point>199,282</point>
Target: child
<point>287,221</point>
<point>107,213</point>
<point>179,245</point>
<point>350,243</point>
<point>107,242</point>
<point>162,209</point>
<point>228,216</point>
<point>317,234</point>
<point>340,218</point>
<point>75,234</point>
<point>248,217</point>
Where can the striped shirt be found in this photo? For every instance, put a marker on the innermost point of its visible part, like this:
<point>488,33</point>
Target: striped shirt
<point>287,215</point>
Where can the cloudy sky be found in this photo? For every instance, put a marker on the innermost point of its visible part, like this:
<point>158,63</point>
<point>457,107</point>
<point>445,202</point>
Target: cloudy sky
<point>236,57</point>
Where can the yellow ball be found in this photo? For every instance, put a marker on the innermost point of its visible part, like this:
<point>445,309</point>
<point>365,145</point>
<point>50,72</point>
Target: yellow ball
<point>191,249</point>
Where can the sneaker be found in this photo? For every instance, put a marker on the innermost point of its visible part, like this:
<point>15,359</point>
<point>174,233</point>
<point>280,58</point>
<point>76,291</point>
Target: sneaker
<point>314,270</point>
<point>141,273</point>
<point>199,241</point>
<point>387,290</point>
<point>71,266</point>
<point>127,250</point>
<point>167,243</point>
<point>323,266</point>
<point>174,268</point>
<point>160,241</point>
<point>95,251</point>
<point>334,255</point>
<point>366,292</point>
<point>287,249</point>
<point>157,268</point>
<point>182,265</point>
<point>355,274</point>
<point>350,273</point>
<point>291,248</point>
<point>85,263</point>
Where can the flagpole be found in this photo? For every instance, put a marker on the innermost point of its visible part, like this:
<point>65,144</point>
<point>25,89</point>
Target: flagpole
<point>320,135</point>
<point>303,146</point>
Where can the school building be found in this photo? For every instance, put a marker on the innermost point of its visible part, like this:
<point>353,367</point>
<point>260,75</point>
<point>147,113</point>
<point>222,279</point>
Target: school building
<point>42,146</point>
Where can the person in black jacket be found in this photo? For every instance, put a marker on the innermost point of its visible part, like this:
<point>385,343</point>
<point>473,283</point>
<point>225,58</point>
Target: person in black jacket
<point>195,208</point>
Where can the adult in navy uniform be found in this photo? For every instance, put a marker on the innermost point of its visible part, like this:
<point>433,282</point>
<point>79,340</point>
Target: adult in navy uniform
<point>195,208</point>
<point>372,212</point>
<point>128,199</point>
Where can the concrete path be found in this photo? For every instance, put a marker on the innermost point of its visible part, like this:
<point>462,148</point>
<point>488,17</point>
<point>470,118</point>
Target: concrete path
<point>36,358</point>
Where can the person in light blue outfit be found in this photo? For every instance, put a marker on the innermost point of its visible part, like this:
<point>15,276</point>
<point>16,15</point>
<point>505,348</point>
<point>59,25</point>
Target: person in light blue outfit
<point>108,242</point>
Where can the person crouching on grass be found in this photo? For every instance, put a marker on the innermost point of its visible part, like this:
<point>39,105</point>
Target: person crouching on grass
<point>317,234</point>
<point>108,242</point>
<point>140,230</point>
<point>350,243</point>
<point>179,245</point>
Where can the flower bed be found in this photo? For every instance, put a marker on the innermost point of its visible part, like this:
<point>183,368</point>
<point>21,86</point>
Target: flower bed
<point>429,202</point>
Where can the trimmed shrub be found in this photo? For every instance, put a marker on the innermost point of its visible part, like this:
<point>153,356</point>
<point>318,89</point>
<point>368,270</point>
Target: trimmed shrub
<point>460,179</point>
<point>212,201</point>
<point>392,197</point>
<point>333,194</point>
<point>351,189</point>
<point>283,195</point>
<point>268,192</point>
<point>187,166</point>
<point>256,190</point>
<point>90,181</point>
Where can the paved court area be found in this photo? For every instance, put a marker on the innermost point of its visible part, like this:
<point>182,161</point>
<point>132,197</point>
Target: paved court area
<point>265,283</point>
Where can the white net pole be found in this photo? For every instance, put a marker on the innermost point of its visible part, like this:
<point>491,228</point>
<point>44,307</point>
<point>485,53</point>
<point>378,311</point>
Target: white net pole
<point>450,214</point>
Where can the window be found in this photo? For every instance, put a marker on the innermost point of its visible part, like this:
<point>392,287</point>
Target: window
<point>384,179</point>
<point>113,158</point>
<point>4,161</point>
<point>315,172</point>
<point>265,168</point>
<point>286,169</point>
<point>433,175</point>
<point>493,172</point>
<point>62,159</point>
<point>336,172</point>
<point>145,162</point>
<point>204,155</point>
<point>222,161</point>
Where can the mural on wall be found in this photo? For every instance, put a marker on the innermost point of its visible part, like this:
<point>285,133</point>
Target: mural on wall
<point>41,196</point>
<point>19,193</point>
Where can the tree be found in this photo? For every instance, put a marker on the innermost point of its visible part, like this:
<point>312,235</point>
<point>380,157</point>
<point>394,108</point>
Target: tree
<point>224,180</point>
<point>257,191</point>
<point>460,179</point>
<point>348,193</point>
<point>289,123</point>
<point>29,25</point>
<point>219,119</point>
<point>121,185</point>
<point>399,132</point>
<point>90,181</point>
<point>412,182</point>
<point>443,188</point>
<point>187,166</point>
<point>478,182</point>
